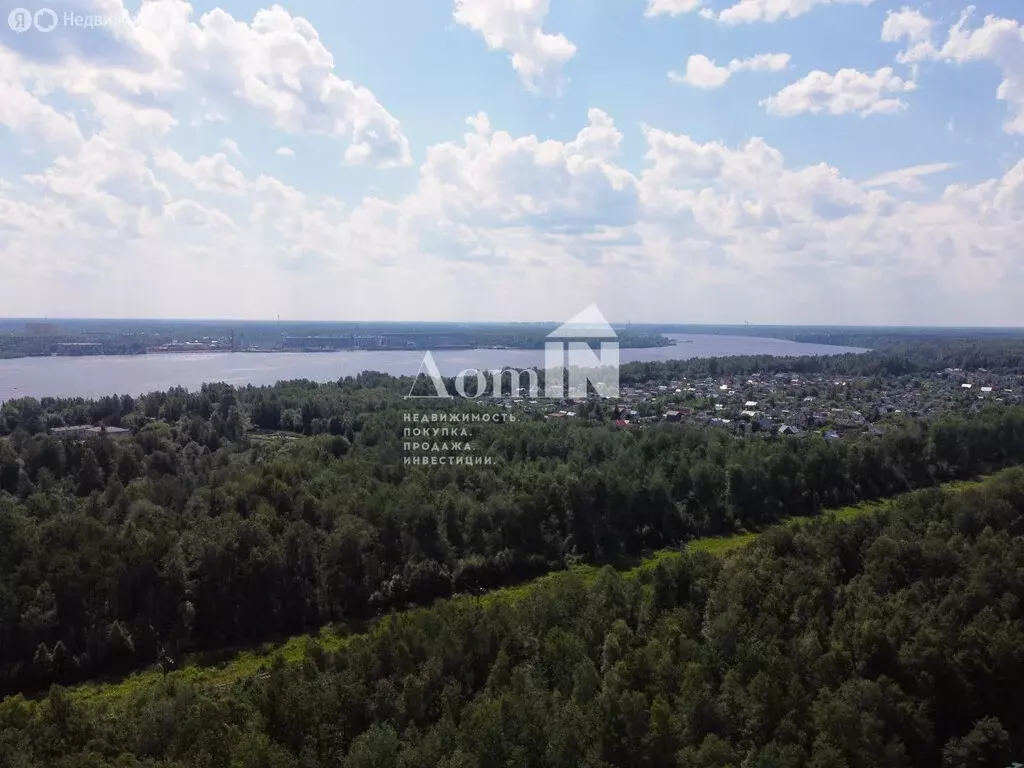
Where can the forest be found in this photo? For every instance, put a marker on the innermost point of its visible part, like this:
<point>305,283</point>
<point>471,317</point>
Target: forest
<point>894,640</point>
<point>207,527</point>
<point>894,356</point>
<point>137,337</point>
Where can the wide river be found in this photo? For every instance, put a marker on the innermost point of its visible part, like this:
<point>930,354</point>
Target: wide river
<point>135,375</point>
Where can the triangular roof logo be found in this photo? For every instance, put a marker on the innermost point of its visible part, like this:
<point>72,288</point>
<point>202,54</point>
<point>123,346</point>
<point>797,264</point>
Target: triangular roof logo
<point>588,324</point>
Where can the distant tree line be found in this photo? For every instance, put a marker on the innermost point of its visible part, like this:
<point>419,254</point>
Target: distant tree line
<point>136,340</point>
<point>15,345</point>
<point>895,358</point>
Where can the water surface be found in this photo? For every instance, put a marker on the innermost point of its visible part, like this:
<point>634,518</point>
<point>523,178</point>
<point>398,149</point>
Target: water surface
<point>135,375</point>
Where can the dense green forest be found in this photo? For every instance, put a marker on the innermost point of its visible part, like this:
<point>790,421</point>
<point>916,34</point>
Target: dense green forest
<point>894,640</point>
<point>893,357</point>
<point>197,531</point>
<point>871,336</point>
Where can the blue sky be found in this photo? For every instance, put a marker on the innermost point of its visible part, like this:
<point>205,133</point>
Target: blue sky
<point>433,74</point>
<point>174,154</point>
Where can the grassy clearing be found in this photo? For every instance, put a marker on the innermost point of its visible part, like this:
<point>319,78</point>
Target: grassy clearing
<point>241,665</point>
<point>720,545</point>
<point>250,662</point>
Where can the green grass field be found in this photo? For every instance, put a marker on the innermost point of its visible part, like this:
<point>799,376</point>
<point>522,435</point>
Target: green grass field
<point>252,661</point>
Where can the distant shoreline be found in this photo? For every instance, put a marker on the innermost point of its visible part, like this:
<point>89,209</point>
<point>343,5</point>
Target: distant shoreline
<point>271,351</point>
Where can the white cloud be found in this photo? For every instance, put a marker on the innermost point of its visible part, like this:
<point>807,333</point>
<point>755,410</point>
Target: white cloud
<point>701,221</point>
<point>998,40</point>
<point>517,27</point>
<point>279,66</point>
<point>702,72</point>
<point>101,207</point>
<point>853,242</point>
<point>749,11</point>
<point>907,23</point>
<point>695,229</point>
<point>501,181</point>
<point>284,152</point>
<point>745,192</point>
<point>28,117</point>
<point>189,213</point>
<point>208,174</point>
<point>276,67</point>
<point>672,7</point>
<point>908,179</point>
<point>111,177</point>
<point>848,90</point>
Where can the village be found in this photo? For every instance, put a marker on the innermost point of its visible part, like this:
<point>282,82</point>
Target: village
<point>793,404</point>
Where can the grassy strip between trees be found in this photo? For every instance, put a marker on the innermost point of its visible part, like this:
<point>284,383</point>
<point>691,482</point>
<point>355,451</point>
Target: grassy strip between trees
<point>250,663</point>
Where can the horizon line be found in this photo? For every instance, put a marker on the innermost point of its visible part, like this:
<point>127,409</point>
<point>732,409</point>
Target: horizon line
<point>272,321</point>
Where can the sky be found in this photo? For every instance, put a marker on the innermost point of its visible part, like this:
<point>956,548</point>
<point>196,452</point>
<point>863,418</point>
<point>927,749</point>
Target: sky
<point>843,162</point>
